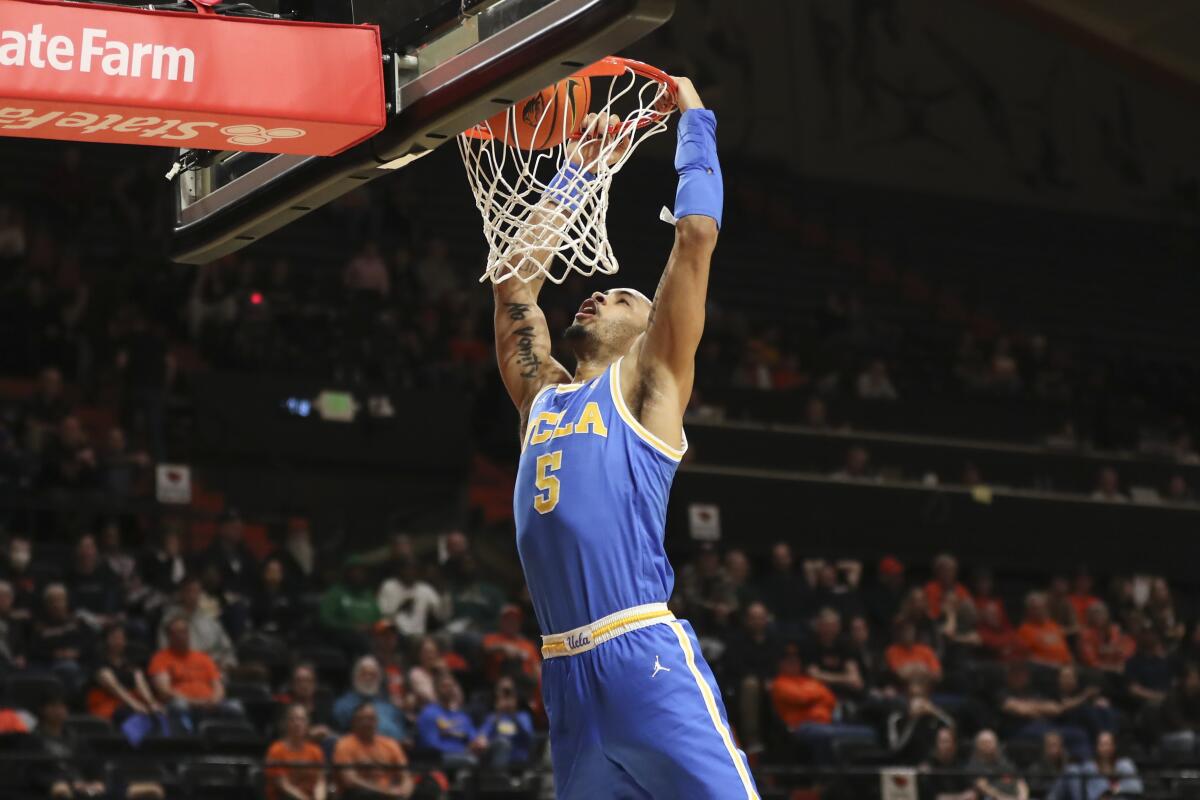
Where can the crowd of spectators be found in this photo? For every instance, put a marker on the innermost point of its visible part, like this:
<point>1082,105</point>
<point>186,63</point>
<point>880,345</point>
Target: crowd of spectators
<point>422,654</point>
<point>822,661</point>
<point>385,293</point>
<point>411,652</point>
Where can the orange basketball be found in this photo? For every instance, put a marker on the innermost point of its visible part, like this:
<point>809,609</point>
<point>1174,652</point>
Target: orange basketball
<point>545,119</point>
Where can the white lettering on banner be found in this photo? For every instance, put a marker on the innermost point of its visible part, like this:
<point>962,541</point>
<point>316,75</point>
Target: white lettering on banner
<point>112,57</point>
<point>240,136</point>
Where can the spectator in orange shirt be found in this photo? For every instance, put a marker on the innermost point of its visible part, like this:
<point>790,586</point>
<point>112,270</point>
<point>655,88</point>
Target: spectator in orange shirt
<point>1081,596</point>
<point>1042,637</point>
<point>909,659</point>
<point>287,782</point>
<point>799,699</point>
<point>185,678</point>
<point>945,579</point>
<point>387,775</point>
<point>508,649</point>
<point>997,634</point>
<point>983,589</point>
<point>385,646</point>
<point>1102,643</point>
<point>806,706</point>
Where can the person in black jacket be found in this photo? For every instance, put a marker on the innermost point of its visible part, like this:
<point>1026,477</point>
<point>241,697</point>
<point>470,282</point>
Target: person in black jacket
<point>163,568</point>
<point>938,785</point>
<point>750,660</point>
<point>59,640</point>
<point>273,608</point>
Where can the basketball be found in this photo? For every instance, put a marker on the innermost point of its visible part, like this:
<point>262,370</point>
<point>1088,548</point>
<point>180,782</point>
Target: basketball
<point>545,119</point>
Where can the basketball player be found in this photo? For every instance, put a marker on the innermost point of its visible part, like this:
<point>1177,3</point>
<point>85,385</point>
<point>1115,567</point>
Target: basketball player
<point>634,710</point>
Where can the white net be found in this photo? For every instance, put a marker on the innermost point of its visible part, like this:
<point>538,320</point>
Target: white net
<point>541,216</point>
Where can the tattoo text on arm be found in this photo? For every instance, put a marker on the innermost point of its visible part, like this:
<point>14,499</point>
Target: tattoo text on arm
<point>531,364</point>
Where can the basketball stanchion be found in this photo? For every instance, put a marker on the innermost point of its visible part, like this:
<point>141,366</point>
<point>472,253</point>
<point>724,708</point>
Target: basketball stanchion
<point>542,147</point>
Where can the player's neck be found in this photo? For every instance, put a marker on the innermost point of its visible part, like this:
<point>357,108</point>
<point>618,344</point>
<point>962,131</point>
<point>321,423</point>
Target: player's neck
<point>587,369</point>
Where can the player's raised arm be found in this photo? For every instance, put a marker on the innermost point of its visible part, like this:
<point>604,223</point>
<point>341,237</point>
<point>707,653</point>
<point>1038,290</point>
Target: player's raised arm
<point>523,342</point>
<point>666,357</point>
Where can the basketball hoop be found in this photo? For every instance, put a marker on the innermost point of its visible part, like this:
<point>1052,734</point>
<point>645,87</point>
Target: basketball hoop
<point>525,171</point>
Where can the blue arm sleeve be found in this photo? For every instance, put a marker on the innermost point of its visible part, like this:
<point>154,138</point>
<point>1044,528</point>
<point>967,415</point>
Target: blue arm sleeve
<point>701,189</point>
<point>568,185</point>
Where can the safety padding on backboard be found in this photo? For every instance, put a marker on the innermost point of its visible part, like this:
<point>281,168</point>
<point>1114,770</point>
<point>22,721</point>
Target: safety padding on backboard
<point>130,76</point>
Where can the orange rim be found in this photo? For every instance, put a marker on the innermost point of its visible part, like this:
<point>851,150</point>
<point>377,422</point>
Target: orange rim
<point>607,67</point>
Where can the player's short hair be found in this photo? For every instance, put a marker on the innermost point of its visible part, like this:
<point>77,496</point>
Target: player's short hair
<point>633,292</point>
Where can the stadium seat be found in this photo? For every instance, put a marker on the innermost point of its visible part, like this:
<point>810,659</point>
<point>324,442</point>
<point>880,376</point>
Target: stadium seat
<point>248,691</point>
<point>98,734</point>
<point>170,746</point>
<point>230,737</point>
<point>27,691</point>
<point>16,742</point>
<point>1023,752</point>
<point>204,781</point>
<point>859,751</point>
<point>260,707</point>
<point>267,651</point>
<point>130,770</point>
<point>1179,755</point>
<point>499,786</point>
<point>88,725</point>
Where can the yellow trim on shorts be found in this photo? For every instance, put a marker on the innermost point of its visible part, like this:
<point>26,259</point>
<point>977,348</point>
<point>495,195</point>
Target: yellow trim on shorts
<point>711,704</point>
<point>599,632</point>
<point>603,630</point>
<point>614,384</point>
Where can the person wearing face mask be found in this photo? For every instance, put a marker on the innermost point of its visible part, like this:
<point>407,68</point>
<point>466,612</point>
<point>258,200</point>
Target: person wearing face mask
<point>18,569</point>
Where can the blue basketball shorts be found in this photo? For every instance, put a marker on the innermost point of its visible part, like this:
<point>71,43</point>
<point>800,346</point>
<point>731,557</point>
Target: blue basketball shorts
<point>640,717</point>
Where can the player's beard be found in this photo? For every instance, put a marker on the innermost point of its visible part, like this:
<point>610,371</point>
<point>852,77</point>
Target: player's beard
<point>599,341</point>
<point>576,334</point>
<point>582,343</point>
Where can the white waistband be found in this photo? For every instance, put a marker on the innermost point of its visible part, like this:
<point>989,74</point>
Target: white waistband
<point>586,637</point>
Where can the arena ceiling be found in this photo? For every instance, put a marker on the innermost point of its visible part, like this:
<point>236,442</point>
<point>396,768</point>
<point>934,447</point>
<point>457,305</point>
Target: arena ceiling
<point>1160,38</point>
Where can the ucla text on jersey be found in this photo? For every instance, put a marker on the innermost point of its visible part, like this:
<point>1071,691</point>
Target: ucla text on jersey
<point>591,505</point>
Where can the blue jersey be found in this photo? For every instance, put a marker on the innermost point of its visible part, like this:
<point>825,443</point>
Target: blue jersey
<point>591,505</point>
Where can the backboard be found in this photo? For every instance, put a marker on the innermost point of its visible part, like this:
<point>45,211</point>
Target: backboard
<point>447,69</point>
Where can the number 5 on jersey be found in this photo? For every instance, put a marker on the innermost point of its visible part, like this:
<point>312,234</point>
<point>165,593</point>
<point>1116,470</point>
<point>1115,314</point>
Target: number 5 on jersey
<point>547,484</point>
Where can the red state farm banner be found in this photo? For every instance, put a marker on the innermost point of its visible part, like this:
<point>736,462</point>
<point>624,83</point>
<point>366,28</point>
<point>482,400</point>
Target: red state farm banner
<point>128,76</point>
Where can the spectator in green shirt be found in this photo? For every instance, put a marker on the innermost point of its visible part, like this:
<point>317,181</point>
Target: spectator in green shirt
<point>475,601</point>
<point>348,607</point>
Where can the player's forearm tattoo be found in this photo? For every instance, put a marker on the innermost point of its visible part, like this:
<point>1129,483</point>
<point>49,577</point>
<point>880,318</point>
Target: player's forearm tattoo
<point>517,310</point>
<point>657,296</point>
<point>531,363</point>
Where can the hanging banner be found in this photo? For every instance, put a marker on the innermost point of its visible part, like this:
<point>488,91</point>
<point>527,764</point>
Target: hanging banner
<point>130,76</point>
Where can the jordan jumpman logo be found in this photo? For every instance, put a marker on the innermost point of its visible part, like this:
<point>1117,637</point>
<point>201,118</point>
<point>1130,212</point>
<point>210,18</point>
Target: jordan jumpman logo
<point>659,668</point>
